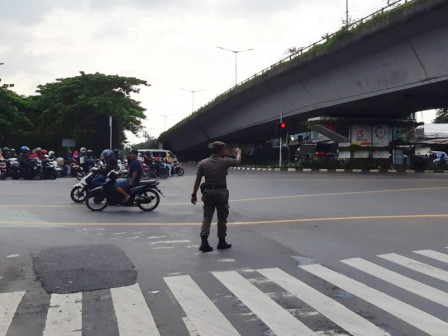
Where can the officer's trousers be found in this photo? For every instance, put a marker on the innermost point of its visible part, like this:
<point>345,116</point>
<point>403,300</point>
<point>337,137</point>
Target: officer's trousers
<point>219,199</point>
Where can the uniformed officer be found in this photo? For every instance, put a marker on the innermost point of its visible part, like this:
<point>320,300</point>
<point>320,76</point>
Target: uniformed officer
<point>214,192</point>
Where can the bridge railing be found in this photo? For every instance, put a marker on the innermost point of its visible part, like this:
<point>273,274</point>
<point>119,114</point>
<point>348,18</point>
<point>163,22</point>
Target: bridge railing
<point>324,39</point>
<point>301,51</point>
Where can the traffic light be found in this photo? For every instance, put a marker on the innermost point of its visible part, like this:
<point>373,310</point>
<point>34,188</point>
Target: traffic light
<point>282,129</point>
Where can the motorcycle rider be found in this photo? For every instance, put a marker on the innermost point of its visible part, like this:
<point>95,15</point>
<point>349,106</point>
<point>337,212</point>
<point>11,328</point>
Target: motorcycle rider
<point>134,176</point>
<point>111,163</point>
<point>12,154</point>
<point>6,153</point>
<point>36,153</point>
<point>24,158</point>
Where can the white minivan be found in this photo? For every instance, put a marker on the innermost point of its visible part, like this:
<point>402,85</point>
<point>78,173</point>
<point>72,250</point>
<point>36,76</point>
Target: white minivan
<point>156,152</point>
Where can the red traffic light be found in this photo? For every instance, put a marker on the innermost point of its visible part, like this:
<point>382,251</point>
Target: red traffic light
<point>282,125</point>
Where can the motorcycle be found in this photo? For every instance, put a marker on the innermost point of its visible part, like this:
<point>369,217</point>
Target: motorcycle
<point>79,191</point>
<point>49,170</point>
<point>3,169</point>
<point>145,195</point>
<point>158,169</point>
<point>13,167</point>
<point>178,169</point>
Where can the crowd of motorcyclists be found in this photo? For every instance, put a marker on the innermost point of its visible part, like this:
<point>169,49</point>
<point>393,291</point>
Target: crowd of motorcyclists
<point>39,163</point>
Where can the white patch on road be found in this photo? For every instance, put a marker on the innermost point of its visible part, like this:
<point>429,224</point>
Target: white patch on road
<point>227,260</point>
<point>13,256</point>
<point>120,233</point>
<point>156,237</point>
<point>171,242</point>
<point>163,248</point>
<point>136,237</point>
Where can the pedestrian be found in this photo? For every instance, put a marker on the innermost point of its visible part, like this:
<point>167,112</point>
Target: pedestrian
<point>215,194</point>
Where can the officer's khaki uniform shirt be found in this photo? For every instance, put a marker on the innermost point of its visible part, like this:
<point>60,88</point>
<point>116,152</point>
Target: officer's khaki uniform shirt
<point>214,169</point>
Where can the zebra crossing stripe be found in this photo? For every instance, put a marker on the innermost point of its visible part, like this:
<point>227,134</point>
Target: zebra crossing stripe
<point>413,316</point>
<point>201,311</point>
<point>434,255</point>
<point>399,280</point>
<point>133,315</point>
<point>280,321</point>
<point>417,266</point>
<point>64,315</point>
<point>333,310</point>
<point>8,306</point>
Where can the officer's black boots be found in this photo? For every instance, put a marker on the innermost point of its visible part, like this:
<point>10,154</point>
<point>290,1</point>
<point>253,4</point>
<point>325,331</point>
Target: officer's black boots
<point>222,245</point>
<point>205,247</point>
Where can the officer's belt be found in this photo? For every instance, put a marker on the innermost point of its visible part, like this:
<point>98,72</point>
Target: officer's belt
<point>214,186</point>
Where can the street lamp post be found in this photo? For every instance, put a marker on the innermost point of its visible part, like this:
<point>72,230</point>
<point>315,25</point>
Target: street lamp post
<point>236,60</point>
<point>192,99</point>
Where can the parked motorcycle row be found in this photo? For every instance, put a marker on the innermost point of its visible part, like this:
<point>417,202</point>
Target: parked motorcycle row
<point>36,169</point>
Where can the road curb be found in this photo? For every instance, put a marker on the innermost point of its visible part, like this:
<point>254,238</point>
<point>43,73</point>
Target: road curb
<point>347,171</point>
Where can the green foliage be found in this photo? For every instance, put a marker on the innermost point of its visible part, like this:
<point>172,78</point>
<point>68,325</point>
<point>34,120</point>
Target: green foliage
<point>79,108</point>
<point>441,116</point>
<point>16,114</point>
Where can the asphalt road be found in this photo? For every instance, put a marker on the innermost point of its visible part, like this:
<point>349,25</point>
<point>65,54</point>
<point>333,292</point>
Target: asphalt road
<point>313,254</point>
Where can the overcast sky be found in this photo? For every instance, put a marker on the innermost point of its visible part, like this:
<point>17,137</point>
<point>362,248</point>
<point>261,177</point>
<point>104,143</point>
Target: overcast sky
<point>172,44</point>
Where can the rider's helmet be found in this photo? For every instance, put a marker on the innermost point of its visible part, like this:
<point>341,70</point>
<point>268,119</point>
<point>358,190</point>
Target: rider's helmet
<point>89,152</point>
<point>83,150</point>
<point>24,149</point>
<point>12,151</point>
<point>107,155</point>
<point>43,151</point>
<point>51,153</point>
<point>5,149</point>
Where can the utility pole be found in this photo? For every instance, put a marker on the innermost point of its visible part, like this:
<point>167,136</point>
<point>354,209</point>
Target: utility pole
<point>280,142</point>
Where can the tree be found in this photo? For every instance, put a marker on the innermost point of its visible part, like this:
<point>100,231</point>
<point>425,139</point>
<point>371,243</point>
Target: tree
<point>441,116</point>
<point>79,108</point>
<point>16,114</point>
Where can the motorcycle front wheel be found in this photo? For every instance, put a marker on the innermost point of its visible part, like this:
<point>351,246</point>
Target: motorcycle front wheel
<point>96,202</point>
<point>78,194</point>
<point>79,175</point>
<point>146,175</point>
<point>163,173</point>
<point>147,200</point>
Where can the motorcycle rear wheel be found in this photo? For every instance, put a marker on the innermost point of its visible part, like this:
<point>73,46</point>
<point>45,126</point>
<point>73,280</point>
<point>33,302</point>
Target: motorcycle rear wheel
<point>96,202</point>
<point>147,200</point>
<point>78,194</point>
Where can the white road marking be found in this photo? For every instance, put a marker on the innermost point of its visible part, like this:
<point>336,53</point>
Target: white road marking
<point>399,280</point>
<point>171,242</point>
<point>13,256</point>
<point>190,327</point>
<point>120,233</point>
<point>413,316</point>
<point>205,316</point>
<point>64,316</point>
<point>333,310</point>
<point>156,237</point>
<point>133,315</point>
<point>434,255</point>
<point>417,266</point>
<point>8,306</point>
<point>163,248</point>
<point>272,314</point>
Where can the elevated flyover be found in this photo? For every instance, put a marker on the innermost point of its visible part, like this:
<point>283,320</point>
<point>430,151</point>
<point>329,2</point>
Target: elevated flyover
<point>388,67</point>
